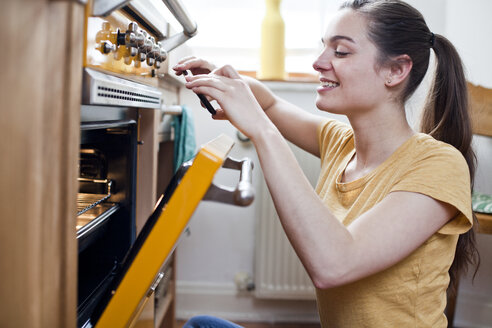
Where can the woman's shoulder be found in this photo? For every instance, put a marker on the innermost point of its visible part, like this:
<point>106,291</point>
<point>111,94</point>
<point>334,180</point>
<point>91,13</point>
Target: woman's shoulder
<point>428,160</point>
<point>427,147</point>
<point>437,169</point>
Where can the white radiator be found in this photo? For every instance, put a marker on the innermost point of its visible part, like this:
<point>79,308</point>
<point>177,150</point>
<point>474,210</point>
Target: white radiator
<point>279,273</point>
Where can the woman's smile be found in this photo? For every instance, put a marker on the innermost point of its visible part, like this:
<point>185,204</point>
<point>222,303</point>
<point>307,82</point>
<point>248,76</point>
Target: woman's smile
<point>327,85</point>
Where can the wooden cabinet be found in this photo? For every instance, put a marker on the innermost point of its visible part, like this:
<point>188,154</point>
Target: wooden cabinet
<point>39,142</point>
<point>40,96</point>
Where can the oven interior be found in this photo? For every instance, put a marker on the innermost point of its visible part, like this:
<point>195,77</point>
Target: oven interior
<point>106,206</point>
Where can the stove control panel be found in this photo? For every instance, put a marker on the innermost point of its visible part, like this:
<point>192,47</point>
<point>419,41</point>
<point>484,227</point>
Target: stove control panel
<point>118,44</point>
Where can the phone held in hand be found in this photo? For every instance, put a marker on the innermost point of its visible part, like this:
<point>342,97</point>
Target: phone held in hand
<point>204,100</point>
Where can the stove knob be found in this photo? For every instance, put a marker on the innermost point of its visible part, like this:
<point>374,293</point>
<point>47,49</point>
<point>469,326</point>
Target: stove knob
<point>133,51</point>
<point>141,56</point>
<point>134,39</point>
<point>132,27</point>
<point>104,33</point>
<point>160,58</point>
<point>147,45</point>
<point>154,52</point>
<point>106,47</point>
<point>162,54</point>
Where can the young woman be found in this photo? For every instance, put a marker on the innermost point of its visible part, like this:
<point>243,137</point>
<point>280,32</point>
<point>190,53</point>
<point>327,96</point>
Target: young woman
<point>390,219</point>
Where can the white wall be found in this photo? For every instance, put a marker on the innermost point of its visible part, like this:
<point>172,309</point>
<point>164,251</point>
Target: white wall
<point>222,238</point>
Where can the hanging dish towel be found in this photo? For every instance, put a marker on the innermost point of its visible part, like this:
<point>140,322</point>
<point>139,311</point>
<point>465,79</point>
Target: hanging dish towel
<point>184,137</point>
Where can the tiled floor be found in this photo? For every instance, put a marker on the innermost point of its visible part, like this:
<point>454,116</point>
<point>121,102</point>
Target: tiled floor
<point>269,325</point>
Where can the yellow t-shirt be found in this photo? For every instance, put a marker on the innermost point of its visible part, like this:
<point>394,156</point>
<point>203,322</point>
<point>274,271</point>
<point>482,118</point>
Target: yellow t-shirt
<point>411,293</point>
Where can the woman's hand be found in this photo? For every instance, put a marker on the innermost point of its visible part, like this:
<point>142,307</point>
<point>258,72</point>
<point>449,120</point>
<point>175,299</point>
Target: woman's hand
<point>195,65</point>
<point>236,100</point>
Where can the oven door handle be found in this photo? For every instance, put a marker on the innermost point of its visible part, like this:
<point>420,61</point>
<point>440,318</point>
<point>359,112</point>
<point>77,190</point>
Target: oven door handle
<point>243,194</point>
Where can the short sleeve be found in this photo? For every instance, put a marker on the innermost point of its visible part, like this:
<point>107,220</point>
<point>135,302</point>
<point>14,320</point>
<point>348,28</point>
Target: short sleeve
<point>330,133</point>
<point>442,173</point>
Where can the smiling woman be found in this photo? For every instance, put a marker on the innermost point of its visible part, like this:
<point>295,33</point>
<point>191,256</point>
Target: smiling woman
<point>230,31</point>
<point>388,224</point>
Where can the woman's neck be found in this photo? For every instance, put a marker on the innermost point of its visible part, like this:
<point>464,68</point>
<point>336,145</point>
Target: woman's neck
<point>377,134</point>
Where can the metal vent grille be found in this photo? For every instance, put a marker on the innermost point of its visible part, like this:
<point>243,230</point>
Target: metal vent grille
<point>104,89</point>
<point>126,95</point>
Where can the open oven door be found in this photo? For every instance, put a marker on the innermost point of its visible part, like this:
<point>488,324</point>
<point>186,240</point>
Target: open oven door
<point>135,280</point>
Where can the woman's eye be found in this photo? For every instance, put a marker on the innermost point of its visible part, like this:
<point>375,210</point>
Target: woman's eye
<point>340,53</point>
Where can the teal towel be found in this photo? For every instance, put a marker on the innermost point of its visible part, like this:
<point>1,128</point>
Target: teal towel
<point>184,137</point>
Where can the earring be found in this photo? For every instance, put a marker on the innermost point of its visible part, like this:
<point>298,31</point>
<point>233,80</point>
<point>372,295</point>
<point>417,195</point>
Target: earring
<point>388,82</point>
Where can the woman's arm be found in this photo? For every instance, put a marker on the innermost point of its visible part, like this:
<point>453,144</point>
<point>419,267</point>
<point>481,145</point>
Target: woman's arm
<point>295,124</point>
<point>331,253</point>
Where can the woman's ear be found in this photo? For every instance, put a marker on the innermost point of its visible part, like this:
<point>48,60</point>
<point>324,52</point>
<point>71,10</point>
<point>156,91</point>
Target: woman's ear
<point>399,68</point>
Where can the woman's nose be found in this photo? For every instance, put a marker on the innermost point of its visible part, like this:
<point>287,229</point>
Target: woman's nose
<point>322,63</point>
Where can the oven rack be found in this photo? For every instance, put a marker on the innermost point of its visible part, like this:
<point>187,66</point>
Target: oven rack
<point>93,207</point>
<point>86,202</point>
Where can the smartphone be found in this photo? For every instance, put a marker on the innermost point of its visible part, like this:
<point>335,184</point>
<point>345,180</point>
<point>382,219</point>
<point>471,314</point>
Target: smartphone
<point>204,100</point>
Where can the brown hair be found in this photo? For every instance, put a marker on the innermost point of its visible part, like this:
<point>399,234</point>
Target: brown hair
<point>397,28</point>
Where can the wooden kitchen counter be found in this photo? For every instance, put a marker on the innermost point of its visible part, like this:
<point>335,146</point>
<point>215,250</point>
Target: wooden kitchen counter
<point>485,223</point>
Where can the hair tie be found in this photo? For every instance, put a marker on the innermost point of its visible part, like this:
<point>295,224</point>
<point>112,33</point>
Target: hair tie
<point>432,39</point>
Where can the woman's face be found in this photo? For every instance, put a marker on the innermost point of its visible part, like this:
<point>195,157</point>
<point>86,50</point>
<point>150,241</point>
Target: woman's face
<point>350,80</point>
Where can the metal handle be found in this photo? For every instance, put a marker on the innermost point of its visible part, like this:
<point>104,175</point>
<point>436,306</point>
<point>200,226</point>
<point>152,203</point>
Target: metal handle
<point>182,16</point>
<point>171,109</point>
<point>243,194</point>
<point>154,285</point>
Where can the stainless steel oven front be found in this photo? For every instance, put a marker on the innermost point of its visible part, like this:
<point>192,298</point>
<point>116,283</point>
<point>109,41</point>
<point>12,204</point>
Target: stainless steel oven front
<point>125,66</point>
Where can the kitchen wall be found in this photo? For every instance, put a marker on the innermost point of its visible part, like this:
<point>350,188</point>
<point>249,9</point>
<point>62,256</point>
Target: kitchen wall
<point>221,242</point>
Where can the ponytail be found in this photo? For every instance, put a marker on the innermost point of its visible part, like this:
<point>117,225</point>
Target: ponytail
<point>446,117</point>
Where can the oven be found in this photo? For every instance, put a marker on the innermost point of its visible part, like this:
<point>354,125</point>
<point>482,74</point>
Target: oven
<point>105,205</point>
<point>125,79</point>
